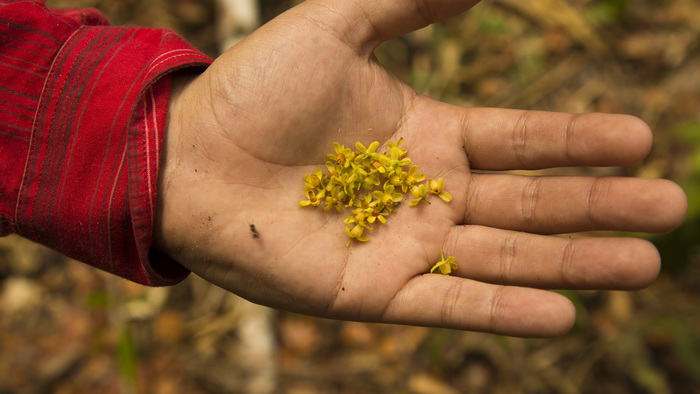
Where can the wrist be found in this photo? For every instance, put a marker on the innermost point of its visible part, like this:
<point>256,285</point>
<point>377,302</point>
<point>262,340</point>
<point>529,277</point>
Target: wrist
<point>164,219</point>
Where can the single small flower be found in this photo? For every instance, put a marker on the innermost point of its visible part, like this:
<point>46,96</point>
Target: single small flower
<point>312,181</point>
<point>349,182</point>
<point>359,218</point>
<point>400,163</point>
<point>389,197</point>
<point>339,193</point>
<point>333,169</point>
<point>355,232</point>
<point>377,166</point>
<point>385,162</point>
<point>333,202</point>
<point>436,188</point>
<point>419,192</point>
<point>377,212</point>
<point>343,156</point>
<point>370,181</point>
<point>366,152</point>
<point>313,199</point>
<point>398,178</point>
<point>365,201</point>
<point>400,153</point>
<point>445,266</point>
<point>413,178</point>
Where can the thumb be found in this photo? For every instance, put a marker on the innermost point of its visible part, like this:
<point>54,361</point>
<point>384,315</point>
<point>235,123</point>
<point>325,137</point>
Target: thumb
<point>364,24</point>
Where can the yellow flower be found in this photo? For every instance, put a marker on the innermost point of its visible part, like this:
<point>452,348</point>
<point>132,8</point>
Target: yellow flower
<point>355,233</point>
<point>337,198</point>
<point>343,156</point>
<point>445,266</point>
<point>394,149</point>
<point>370,181</point>
<point>355,225</point>
<point>397,178</point>
<point>353,180</point>
<point>373,209</point>
<point>366,152</point>
<point>333,202</point>
<point>376,212</point>
<point>312,181</point>
<point>412,178</point>
<point>377,166</point>
<point>419,193</point>
<point>393,162</point>
<point>312,198</point>
<point>389,197</point>
<point>332,168</point>
<point>436,188</point>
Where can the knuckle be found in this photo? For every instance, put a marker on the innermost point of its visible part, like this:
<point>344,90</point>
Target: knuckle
<point>529,202</point>
<point>520,136</point>
<point>567,262</point>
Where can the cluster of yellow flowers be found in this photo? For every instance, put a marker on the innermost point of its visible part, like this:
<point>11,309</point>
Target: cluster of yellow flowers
<point>353,181</point>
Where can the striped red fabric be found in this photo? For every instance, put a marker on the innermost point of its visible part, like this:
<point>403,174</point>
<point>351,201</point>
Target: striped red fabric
<point>82,112</point>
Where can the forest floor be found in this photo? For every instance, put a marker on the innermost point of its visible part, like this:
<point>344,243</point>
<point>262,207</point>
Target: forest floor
<point>67,328</point>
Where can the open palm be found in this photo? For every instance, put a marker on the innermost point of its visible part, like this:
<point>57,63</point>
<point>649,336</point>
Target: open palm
<point>243,134</point>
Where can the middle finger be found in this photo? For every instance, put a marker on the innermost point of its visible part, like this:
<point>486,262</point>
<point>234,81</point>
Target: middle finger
<point>549,205</point>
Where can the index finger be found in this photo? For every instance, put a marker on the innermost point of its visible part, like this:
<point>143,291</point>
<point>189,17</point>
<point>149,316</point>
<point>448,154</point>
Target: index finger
<point>498,139</point>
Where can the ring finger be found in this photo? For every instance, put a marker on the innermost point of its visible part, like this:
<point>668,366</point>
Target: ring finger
<point>522,259</point>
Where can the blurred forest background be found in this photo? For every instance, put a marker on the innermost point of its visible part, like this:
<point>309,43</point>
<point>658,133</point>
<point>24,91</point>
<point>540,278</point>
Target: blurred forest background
<point>67,328</point>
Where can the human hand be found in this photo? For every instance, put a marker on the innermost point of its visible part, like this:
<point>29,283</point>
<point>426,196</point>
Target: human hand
<point>242,135</point>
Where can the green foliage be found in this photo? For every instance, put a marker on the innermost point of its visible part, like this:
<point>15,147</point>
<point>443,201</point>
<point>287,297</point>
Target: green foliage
<point>678,335</point>
<point>97,300</point>
<point>675,248</point>
<point>495,24</point>
<point>128,358</point>
<point>607,12</point>
<point>689,133</point>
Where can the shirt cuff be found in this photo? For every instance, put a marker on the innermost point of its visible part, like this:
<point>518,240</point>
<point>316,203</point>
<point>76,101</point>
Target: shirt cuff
<point>89,184</point>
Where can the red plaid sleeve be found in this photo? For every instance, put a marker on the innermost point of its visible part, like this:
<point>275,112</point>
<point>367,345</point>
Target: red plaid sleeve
<point>82,112</point>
